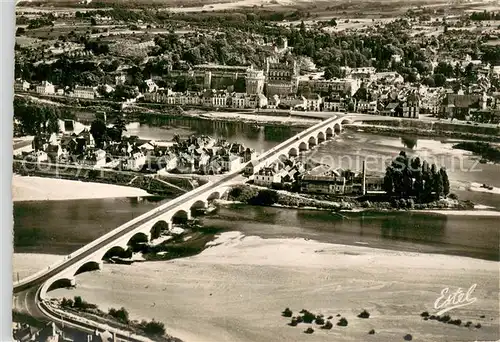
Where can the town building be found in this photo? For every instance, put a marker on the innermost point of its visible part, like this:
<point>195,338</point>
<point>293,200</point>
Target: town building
<point>313,102</point>
<point>323,184</point>
<point>39,156</point>
<point>255,101</point>
<point>316,83</point>
<point>45,88</point>
<point>213,98</point>
<point>94,158</point>
<point>281,77</point>
<point>238,100</point>
<point>120,79</point>
<point>84,92</point>
<point>254,81</point>
<point>268,176</point>
<point>334,104</point>
<point>293,102</point>
<point>230,162</point>
<point>135,161</point>
<point>411,106</point>
<point>459,106</point>
<point>21,86</point>
<point>150,86</point>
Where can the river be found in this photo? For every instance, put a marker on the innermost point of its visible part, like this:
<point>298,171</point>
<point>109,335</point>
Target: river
<point>60,227</point>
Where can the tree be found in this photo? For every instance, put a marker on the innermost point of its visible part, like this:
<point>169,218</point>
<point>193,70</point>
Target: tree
<point>98,130</point>
<point>388,181</point>
<point>78,302</point>
<point>445,180</point>
<point>124,92</point>
<point>429,81</point>
<point>265,197</point>
<point>153,327</point>
<point>332,71</point>
<point>439,80</point>
<point>93,22</point>
<point>438,186</point>
<point>116,132</point>
<point>120,314</point>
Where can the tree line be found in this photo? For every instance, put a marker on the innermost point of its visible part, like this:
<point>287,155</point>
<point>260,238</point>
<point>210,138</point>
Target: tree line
<point>32,118</point>
<point>409,177</point>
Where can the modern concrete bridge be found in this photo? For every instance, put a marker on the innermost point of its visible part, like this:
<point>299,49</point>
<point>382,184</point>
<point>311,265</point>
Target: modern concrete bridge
<point>31,293</point>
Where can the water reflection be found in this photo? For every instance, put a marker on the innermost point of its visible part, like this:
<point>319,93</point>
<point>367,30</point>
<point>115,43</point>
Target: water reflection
<point>60,227</point>
<point>420,228</point>
<point>409,142</point>
<point>259,137</point>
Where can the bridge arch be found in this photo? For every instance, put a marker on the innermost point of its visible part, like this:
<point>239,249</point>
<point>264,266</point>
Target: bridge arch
<point>138,238</point>
<point>302,146</point>
<point>158,228</point>
<point>117,251</point>
<point>321,137</point>
<point>214,196</point>
<point>337,128</point>
<point>312,142</point>
<point>293,152</point>
<point>89,266</point>
<point>346,121</point>
<point>329,132</point>
<point>198,205</point>
<point>62,283</point>
<point>283,158</point>
<point>181,216</point>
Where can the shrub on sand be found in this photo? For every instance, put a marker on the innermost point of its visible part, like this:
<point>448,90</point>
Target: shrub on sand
<point>308,317</point>
<point>364,314</point>
<point>287,313</point>
<point>342,322</point>
<point>328,325</point>
<point>319,320</point>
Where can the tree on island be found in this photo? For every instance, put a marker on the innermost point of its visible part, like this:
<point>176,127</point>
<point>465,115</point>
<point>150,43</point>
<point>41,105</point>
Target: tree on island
<point>409,177</point>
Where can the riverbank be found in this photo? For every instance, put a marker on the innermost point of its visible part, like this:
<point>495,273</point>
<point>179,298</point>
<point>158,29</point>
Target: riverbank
<point>450,131</point>
<point>261,118</point>
<point>257,195</point>
<point>166,185</point>
<point>239,286</point>
<point>50,189</point>
<point>486,151</point>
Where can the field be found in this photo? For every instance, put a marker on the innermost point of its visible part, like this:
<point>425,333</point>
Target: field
<point>317,8</point>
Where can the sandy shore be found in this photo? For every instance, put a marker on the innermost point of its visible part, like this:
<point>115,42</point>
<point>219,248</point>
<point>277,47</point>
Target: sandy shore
<point>462,212</point>
<point>26,264</point>
<point>235,291</point>
<point>49,189</point>
<point>236,116</point>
